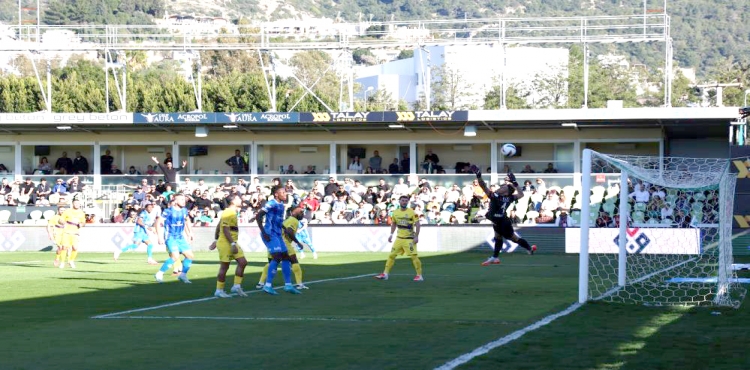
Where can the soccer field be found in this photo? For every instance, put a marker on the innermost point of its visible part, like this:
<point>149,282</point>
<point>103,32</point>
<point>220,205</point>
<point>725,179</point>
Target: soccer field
<point>107,315</point>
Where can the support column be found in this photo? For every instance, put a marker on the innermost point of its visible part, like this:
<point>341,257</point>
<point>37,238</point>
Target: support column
<point>253,159</point>
<point>97,166</point>
<point>412,158</point>
<point>585,75</point>
<point>577,163</point>
<point>18,163</point>
<point>493,162</point>
<point>176,162</point>
<point>332,160</point>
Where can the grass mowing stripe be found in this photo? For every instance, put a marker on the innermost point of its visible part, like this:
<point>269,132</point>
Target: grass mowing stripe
<point>460,360</point>
<point>112,315</point>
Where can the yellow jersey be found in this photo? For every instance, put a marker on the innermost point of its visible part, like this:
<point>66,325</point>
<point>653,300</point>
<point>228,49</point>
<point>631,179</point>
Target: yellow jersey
<point>404,219</point>
<point>228,218</point>
<point>55,222</point>
<point>72,220</point>
<point>292,223</point>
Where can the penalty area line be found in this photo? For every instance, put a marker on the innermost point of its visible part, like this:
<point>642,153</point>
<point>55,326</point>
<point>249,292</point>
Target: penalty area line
<point>115,315</point>
<point>329,319</point>
<point>460,360</point>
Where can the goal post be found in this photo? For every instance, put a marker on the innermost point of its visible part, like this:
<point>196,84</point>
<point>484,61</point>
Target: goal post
<point>656,231</point>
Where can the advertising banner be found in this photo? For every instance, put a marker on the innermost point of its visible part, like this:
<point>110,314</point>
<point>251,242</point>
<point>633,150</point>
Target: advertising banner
<point>341,117</point>
<point>255,117</point>
<point>426,116</point>
<point>639,241</point>
<point>69,118</point>
<point>741,167</point>
<point>174,118</point>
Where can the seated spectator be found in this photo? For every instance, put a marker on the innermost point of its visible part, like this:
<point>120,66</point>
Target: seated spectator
<point>383,218</point>
<point>394,167</point>
<point>150,170</point>
<point>550,168</point>
<point>547,211</point>
<point>64,163</point>
<point>527,188</point>
<point>528,169</point>
<point>132,171</point>
<point>115,170</point>
<point>453,220</point>
<point>309,171</point>
<point>640,195</point>
<point>3,169</point>
<point>604,220</point>
<point>541,187</point>
<point>290,170</point>
<point>666,211</point>
<point>44,166</point>
<point>4,187</point>
<point>513,217</point>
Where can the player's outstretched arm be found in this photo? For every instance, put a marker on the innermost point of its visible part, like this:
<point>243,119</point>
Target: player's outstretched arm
<point>482,184</point>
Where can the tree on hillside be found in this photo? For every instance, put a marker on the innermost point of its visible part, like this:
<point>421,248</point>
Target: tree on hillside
<point>732,70</point>
<point>514,99</point>
<point>312,69</point>
<point>550,87</point>
<point>405,54</point>
<point>450,88</point>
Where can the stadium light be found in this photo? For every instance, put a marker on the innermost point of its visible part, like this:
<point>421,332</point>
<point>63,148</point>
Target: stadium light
<point>201,131</point>
<point>230,125</point>
<point>64,127</point>
<point>396,125</point>
<point>470,130</point>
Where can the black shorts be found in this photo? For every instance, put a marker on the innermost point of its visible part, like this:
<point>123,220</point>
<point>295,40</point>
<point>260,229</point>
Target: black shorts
<point>503,227</point>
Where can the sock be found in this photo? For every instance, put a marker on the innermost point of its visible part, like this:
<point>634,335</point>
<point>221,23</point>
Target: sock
<point>263,274</point>
<point>237,280</point>
<point>166,264</point>
<point>186,265</point>
<point>297,270</point>
<point>389,263</point>
<point>73,255</point>
<point>522,242</point>
<point>498,247</point>
<point>129,247</point>
<point>57,255</point>
<point>271,272</point>
<point>149,251</point>
<point>219,285</point>
<point>63,253</point>
<point>311,247</point>
<point>177,264</point>
<point>286,271</point>
<point>417,264</point>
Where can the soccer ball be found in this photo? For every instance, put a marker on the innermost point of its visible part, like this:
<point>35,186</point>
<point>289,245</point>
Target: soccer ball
<point>508,150</point>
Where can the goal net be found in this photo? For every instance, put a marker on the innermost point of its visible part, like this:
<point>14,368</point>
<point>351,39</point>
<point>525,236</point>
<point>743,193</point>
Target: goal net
<point>675,247</point>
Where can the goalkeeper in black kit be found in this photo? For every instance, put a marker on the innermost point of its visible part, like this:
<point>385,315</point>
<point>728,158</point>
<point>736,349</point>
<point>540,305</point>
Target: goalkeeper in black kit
<point>500,200</point>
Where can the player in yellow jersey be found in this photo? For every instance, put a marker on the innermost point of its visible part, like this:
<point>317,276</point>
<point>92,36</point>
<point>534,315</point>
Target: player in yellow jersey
<point>407,238</point>
<point>55,232</point>
<point>228,249</point>
<point>290,226</point>
<point>72,219</point>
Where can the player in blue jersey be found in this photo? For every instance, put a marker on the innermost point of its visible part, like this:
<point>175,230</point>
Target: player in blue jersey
<point>273,212</point>
<point>177,233</point>
<point>304,236</point>
<point>143,232</point>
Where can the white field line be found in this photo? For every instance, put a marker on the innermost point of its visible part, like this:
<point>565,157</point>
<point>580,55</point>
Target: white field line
<point>329,319</point>
<point>24,262</point>
<point>115,314</point>
<point>460,360</point>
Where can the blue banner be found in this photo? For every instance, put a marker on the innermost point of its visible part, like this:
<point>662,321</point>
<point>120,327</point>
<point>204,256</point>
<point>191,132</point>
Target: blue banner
<point>174,118</point>
<point>256,117</point>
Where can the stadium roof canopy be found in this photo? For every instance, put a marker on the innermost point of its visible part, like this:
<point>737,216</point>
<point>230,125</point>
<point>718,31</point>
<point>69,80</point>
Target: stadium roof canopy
<point>682,121</point>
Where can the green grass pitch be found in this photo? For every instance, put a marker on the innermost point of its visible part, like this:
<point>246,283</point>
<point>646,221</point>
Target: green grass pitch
<point>348,320</point>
